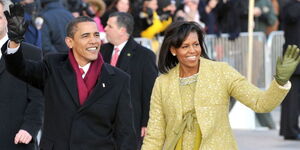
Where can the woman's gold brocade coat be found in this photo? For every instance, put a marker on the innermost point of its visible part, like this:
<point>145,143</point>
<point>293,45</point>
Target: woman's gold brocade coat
<point>217,81</point>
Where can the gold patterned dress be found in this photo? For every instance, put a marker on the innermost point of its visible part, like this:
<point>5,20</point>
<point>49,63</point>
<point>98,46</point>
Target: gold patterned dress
<point>191,137</point>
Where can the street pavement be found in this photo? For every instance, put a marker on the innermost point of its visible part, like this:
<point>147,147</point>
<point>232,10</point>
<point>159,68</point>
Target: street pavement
<point>264,139</point>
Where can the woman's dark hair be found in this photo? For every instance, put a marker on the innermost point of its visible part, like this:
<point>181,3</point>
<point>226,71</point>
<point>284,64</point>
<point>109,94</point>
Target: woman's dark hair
<point>175,35</point>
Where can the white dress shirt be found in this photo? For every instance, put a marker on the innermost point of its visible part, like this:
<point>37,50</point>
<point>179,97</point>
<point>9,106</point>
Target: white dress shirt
<point>85,69</point>
<point>121,46</point>
<point>2,41</point>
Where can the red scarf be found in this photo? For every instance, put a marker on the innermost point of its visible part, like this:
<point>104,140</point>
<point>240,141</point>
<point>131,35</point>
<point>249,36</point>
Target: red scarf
<point>86,85</point>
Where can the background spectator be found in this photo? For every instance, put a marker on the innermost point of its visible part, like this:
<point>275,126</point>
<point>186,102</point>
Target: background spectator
<point>208,11</point>
<point>139,62</point>
<point>290,110</point>
<point>116,5</point>
<point>21,105</point>
<point>98,8</point>
<point>56,18</point>
<point>228,18</point>
<point>189,11</point>
<point>33,34</point>
<point>264,15</point>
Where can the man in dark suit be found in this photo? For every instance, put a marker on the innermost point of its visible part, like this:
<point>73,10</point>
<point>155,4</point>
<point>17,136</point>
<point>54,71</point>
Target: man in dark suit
<point>21,106</point>
<point>87,102</point>
<point>138,61</point>
<point>290,108</point>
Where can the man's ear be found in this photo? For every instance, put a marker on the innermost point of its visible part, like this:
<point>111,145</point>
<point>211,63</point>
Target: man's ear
<point>124,30</point>
<point>69,42</point>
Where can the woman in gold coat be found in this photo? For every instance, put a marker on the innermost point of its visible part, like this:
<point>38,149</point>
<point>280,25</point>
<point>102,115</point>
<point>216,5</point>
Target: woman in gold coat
<point>190,100</point>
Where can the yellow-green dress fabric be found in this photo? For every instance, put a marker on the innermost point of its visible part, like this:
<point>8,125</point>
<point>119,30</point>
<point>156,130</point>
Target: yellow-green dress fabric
<point>216,82</point>
<point>191,137</point>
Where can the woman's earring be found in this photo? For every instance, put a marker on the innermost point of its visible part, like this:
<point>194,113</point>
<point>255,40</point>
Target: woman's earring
<point>173,54</point>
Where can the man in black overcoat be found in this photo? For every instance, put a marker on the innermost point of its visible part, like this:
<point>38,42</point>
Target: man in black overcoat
<point>290,107</point>
<point>136,60</point>
<point>87,102</point>
<point>21,105</point>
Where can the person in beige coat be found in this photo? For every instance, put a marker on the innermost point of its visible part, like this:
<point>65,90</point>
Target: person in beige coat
<point>190,100</point>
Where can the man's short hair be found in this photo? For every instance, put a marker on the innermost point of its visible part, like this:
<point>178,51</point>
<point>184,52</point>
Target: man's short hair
<point>124,20</point>
<point>72,26</point>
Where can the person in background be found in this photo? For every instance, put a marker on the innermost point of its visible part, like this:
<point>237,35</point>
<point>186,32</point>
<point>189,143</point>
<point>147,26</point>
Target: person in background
<point>209,11</point>
<point>56,18</point>
<point>74,6</point>
<point>98,7</point>
<point>139,62</point>
<point>275,26</point>
<point>87,102</point>
<point>190,99</point>
<point>281,4</point>
<point>290,108</point>
<point>116,6</point>
<point>33,34</point>
<point>188,11</point>
<point>264,15</point>
<point>228,18</point>
<point>21,105</point>
<point>156,24</point>
<point>166,9</point>
<point>148,23</point>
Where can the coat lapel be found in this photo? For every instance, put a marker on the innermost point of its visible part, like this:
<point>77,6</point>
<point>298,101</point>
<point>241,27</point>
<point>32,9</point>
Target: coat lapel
<point>126,55</point>
<point>2,62</point>
<point>176,97</point>
<point>201,97</point>
<point>102,86</point>
<point>107,52</point>
<point>69,79</point>
<point>2,66</point>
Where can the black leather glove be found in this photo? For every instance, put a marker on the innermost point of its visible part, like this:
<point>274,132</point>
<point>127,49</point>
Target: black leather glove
<point>16,23</point>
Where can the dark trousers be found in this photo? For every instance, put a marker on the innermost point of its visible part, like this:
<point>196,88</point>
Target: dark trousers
<point>290,109</point>
<point>140,142</point>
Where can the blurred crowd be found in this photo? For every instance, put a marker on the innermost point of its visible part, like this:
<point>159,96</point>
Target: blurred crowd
<point>48,18</point>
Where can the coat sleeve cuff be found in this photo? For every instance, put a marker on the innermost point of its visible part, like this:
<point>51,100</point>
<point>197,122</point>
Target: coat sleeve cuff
<point>12,50</point>
<point>286,86</point>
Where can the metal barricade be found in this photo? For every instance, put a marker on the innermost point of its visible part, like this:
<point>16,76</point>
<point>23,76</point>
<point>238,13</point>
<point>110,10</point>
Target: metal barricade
<point>144,42</point>
<point>274,47</point>
<point>235,53</point>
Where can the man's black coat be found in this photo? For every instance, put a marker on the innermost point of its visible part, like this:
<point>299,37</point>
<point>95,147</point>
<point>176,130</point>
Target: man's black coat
<point>139,63</point>
<point>103,122</point>
<point>21,106</point>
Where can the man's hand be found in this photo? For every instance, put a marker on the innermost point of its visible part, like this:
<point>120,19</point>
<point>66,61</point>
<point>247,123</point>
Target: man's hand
<point>23,137</point>
<point>16,22</point>
<point>13,44</point>
<point>285,67</point>
<point>257,12</point>
<point>143,131</point>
